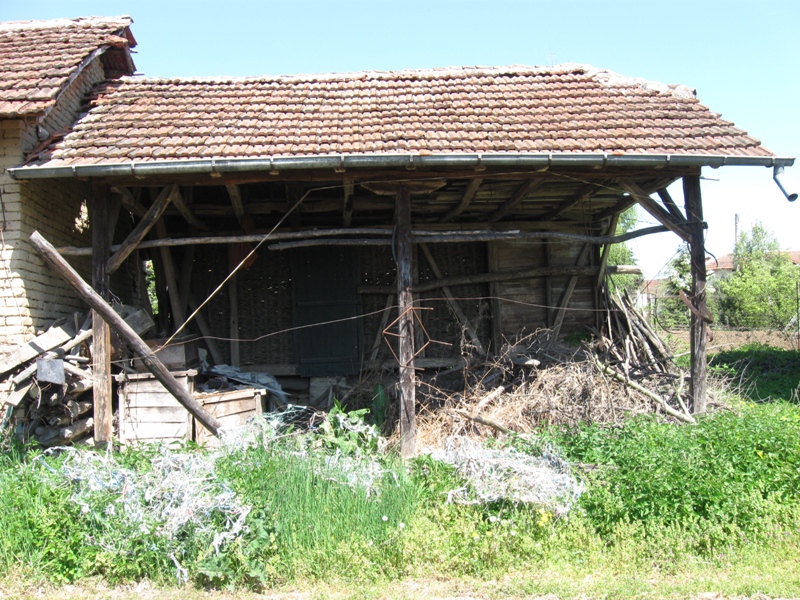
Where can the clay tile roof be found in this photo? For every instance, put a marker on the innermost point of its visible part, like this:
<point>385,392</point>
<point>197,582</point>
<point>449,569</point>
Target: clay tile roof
<point>533,110</point>
<point>38,58</point>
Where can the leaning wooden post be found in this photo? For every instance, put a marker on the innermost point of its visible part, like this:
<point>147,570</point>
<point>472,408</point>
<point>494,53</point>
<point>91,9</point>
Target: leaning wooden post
<point>155,366</point>
<point>403,257</point>
<point>699,327</point>
<point>101,346</point>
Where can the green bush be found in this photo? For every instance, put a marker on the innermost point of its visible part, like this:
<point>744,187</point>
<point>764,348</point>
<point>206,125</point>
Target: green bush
<point>730,474</point>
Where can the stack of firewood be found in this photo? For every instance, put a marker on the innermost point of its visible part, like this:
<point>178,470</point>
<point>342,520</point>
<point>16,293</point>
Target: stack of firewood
<point>46,385</point>
<point>48,381</point>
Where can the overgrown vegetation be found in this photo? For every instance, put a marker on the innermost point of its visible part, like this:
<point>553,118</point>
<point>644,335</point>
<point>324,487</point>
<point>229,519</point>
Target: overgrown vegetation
<point>622,254</point>
<point>761,373</point>
<point>760,293</point>
<point>330,506</point>
<point>762,290</point>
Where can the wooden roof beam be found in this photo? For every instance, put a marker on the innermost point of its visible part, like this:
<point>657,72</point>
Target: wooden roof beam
<point>235,195</point>
<point>186,212</point>
<point>581,195</point>
<point>129,201</point>
<point>671,206</point>
<point>469,193</point>
<point>526,188</point>
<point>661,214</point>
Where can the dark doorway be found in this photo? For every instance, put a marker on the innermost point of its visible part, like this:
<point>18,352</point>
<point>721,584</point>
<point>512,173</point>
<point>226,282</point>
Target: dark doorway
<point>324,282</point>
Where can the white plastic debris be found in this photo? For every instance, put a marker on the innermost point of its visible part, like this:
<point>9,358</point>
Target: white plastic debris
<point>506,474</point>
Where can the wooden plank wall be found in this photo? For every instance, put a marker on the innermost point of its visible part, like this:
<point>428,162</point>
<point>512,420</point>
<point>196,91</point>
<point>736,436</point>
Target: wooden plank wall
<point>521,306</point>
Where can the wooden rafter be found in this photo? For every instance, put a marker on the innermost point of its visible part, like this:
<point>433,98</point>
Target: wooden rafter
<point>522,191</point>
<point>130,202</point>
<point>469,194</point>
<point>581,195</point>
<point>186,212</point>
<point>661,214</point>
<point>235,195</point>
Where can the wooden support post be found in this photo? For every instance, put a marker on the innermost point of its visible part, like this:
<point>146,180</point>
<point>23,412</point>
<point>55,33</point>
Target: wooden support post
<point>204,328</point>
<point>233,296</point>
<point>150,360</point>
<point>548,283</point>
<point>403,256</point>
<point>101,347</point>
<point>699,327</point>
<point>567,295</point>
<point>347,205</point>
<point>169,275</point>
<point>376,344</point>
<point>612,228</point>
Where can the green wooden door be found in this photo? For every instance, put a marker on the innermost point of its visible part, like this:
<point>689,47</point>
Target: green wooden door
<point>324,282</point>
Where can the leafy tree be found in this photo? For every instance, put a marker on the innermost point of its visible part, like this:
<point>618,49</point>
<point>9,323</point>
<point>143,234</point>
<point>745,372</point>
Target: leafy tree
<point>670,311</point>
<point>622,254</point>
<point>761,290</point>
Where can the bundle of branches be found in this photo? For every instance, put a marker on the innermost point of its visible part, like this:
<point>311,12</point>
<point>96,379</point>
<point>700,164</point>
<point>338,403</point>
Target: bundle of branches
<point>630,341</point>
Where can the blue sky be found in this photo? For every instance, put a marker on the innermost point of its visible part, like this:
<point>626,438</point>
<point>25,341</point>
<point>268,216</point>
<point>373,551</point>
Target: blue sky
<point>742,57</point>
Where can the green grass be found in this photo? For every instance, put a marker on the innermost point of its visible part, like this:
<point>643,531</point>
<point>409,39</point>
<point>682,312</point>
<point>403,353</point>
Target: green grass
<point>760,372</point>
<point>672,510</point>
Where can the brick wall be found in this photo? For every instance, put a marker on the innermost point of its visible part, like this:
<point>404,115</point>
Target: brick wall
<point>31,295</point>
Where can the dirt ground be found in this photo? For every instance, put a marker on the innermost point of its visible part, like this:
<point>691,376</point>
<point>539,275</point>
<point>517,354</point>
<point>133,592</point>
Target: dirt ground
<point>724,339</point>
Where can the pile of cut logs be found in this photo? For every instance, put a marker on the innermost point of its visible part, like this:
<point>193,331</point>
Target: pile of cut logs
<point>47,382</point>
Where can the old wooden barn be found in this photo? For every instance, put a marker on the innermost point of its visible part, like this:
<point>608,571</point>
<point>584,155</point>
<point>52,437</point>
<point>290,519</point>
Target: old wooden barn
<point>319,225</point>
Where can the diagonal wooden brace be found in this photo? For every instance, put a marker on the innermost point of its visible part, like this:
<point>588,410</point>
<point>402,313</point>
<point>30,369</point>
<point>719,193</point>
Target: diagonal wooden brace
<point>153,364</point>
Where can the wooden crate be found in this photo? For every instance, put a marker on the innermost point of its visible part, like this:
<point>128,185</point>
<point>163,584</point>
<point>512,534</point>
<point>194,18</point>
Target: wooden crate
<point>180,354</point>
<point>148,412</point>
<point>232,408</point>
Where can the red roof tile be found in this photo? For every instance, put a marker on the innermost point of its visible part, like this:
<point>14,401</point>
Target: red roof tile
<point>566,108</point>
<point>37,58</point>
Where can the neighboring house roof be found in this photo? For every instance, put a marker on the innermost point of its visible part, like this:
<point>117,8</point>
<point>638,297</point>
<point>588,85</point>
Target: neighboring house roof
<point>722,263</point>
<point>38,59</point>
<point>655,287</point>
<point>725,263</point>
<point>573,109</point>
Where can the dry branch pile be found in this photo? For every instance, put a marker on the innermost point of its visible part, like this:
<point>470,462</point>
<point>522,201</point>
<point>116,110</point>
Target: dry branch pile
<point>625,370</point>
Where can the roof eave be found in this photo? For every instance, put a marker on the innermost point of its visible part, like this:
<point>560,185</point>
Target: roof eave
<point>407,161</point>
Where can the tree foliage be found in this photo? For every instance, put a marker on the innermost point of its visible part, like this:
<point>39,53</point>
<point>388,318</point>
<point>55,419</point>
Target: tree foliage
<point>761,291</point>
<point>622,254</point>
